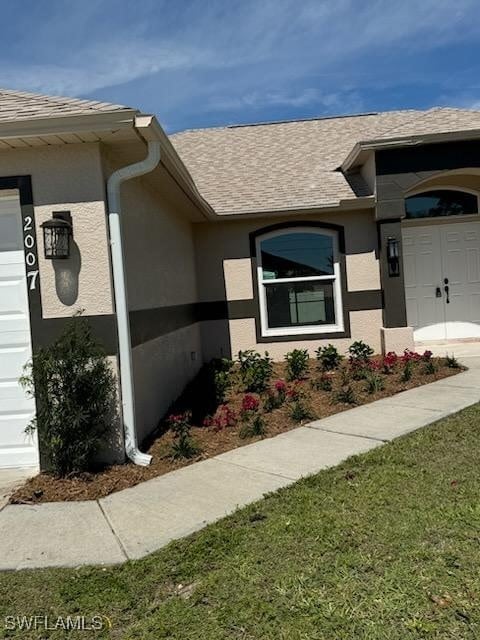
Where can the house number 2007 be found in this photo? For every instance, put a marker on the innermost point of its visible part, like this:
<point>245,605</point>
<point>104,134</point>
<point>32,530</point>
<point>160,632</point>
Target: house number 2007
<point>30,254</point>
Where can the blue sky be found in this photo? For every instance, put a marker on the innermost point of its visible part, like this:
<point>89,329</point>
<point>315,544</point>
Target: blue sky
<point>197,63</point>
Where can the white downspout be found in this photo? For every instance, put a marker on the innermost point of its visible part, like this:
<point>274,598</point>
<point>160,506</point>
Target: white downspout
<point>119,286</point>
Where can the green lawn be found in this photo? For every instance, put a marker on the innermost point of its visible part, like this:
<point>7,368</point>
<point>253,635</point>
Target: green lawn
<point>385,546</point>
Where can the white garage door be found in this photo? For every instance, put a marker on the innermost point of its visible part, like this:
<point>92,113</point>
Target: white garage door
<point>16,410</point>
<point>442,280</point>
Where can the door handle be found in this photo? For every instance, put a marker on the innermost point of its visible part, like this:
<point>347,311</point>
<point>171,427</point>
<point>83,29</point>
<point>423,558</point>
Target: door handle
<point>447,293</point>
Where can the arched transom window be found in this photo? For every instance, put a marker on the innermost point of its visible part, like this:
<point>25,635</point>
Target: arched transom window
<point>441,202</point>
<point>299,281</point>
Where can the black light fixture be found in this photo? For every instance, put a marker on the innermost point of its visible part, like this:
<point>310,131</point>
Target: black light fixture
<point>393,257</point>
<point>56,235</point>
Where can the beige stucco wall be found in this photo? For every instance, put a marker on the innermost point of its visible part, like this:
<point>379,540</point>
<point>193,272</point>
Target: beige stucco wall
<point>159,250</point>
<point>162,368</point>
<point>69,178</point>
<point>224,272</point>
<point>223,254</point>
<point>365,325</point>
<point>160,271</point>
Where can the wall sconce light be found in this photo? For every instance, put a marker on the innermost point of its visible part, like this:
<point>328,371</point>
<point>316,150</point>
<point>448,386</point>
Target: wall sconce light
<point>393,257</point>
<point>56,235</point>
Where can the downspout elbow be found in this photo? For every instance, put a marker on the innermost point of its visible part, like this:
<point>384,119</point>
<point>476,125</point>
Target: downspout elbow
<point>120,291</point>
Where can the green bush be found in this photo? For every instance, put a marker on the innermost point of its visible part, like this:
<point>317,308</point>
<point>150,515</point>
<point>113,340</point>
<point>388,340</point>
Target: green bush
<point>323,383</point>
<point>254,428</point>
<point>299,411</point>
<point>328,357</point>
<point>451,362</point>
<point>183,446</point>
<point>346,395</point>
<point>407,371</point>
<point>360,351</point>
<point>374,382</point>
<point>297,364</point>
<point>430,367</point>
<point>75,392</point>
<point>255,370</point>
<point>222,379</point>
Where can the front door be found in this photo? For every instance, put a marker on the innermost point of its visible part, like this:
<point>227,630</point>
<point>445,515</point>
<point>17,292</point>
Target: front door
<point>442,280</point>
<point>16,409</point>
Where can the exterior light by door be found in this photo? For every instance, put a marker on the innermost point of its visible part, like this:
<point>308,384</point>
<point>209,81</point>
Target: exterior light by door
<point>56,235</point>
<point>393,259</point>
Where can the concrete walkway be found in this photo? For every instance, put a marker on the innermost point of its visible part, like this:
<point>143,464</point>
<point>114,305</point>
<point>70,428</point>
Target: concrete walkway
<point>137,521</point>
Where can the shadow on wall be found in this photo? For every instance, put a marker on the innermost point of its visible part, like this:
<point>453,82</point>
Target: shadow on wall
<point>67,274</point>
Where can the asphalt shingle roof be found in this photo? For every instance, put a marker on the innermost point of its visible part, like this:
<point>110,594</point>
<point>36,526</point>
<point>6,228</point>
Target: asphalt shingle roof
<point>20,105</point>
<point>289,165</point>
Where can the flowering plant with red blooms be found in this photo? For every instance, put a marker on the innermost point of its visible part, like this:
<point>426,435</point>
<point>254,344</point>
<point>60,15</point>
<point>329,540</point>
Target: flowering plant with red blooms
<point>390,360</point>
<point>295,391</point>
<point>410,356</point>
<point>280,385</point>
<point>179,421</point>
<point>250,403</point>
<point>427,355</point>
<point>224,417</point>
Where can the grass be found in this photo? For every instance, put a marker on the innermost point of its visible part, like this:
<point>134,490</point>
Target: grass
<point>386,546</point>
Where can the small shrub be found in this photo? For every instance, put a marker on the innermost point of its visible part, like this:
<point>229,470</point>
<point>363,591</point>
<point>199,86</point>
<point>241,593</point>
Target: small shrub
<point>328,357</point>
<point>345,376</point>
<point>375,382</point>
<point>297,364</point>
<point>250,406</point>
<point>430,368</point>
<point>407,370</point>
<point>451,362</point>
<point>222,379</point>
<point>255,370</point>
<point>295,391</point>
<point>389,362</point>
<point>411,356</point>
<point>427,355</point>
<point>223,418</point>
<point>183,446</point>
<point>299,411</point>
<point>360,351</point>
<point>276,398</point>
<point>346,395</point>
<point>76,396</point>
<point>254,428</point>
<point>323,383</point>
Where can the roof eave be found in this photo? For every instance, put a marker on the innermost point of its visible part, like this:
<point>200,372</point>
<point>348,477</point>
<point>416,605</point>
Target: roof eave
<point>37,127</point>
<point>350,204</point>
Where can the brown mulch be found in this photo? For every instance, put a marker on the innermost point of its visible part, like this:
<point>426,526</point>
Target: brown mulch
<point>91,486</point>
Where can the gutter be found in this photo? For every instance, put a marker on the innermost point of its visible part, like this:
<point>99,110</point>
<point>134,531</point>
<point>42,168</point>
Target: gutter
<point>147,128</point>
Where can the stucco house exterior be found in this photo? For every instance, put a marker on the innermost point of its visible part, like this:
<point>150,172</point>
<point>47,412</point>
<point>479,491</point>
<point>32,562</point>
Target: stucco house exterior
<point>268,236</point>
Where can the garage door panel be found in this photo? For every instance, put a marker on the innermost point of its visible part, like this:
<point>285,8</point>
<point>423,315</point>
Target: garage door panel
<point>16,408</point>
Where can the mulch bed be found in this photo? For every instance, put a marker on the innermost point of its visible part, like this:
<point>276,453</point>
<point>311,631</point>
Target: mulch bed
<point>211,442</point>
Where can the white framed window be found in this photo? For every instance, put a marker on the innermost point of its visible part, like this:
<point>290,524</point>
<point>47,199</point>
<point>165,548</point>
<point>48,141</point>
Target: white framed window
<point>299,281</point>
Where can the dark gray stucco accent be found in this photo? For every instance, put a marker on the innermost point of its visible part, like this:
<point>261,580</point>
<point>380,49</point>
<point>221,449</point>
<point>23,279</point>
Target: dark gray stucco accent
<point>443,156</point>
<point>394,306</point>
<point>150,324</point>
<point>398,171</point>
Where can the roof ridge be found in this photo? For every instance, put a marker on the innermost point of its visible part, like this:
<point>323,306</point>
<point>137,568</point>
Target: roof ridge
<point>295,120</point>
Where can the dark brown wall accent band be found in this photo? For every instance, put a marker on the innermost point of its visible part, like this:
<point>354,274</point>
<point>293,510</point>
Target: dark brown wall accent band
<point>439,157</point>
<point>150,324</point>
<point>394,307</point>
